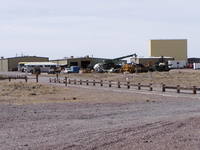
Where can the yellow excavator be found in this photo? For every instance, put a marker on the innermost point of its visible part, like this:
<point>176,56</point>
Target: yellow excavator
<point>134,68</point>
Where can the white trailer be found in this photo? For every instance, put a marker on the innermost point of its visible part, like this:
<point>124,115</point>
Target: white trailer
<point>174,64</point>
<point>196,66</point>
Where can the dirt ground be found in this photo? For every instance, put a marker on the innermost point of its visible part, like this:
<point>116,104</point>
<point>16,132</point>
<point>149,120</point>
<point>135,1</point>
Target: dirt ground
<point>47,117</point>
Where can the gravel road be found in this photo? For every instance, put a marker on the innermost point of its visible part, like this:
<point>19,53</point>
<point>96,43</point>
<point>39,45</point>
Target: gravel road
<point>159,122</point>
<point>103,118</point>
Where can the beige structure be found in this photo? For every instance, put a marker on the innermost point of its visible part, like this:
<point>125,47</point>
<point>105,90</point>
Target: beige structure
<point>10,64</point>
<point>169,48</point>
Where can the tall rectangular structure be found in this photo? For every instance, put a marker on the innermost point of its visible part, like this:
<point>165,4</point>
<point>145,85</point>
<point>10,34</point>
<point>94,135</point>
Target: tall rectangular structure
<point>176,48</point>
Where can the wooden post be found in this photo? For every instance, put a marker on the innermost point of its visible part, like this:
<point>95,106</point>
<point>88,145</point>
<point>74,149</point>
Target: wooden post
<point>128,85</point>
<point>178,88</point>
<point>65,81</point>
<point>87,82</point>
<point>101,82</point>
<point>110,84</point>
<point>194,90</point>
<point>94,82</point>
<point>57,76</point>
<point>150,87</point>
<point>26,79</point>
<point>80,82</point>
<point>118,83</point>
<point>37,76</point>
<point>163,88</point>
<point>139,86</point>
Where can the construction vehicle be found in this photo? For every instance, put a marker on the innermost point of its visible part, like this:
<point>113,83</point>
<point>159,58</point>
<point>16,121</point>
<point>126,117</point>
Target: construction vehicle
<point>161,65</point>
<point>134,68</point>
<point>112,65</point>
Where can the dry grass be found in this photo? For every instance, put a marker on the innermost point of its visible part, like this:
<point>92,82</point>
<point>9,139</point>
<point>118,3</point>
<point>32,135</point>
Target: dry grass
<point>21,89</point>
<point>174,77</point>
<point>20,93</point>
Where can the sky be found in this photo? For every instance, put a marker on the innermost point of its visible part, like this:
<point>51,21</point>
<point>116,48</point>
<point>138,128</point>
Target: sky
<point>98,28</point>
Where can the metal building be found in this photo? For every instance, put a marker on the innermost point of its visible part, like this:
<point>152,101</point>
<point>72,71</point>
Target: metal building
<point>82,62</point>
<point>10,64</point>
<point>176,48</point>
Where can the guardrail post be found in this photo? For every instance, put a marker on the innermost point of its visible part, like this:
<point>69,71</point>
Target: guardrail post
<point>87,82</point>
<point>57,77</point>
<point>74,81</point>
<point>118,84</point>
<point>101,82</point>
<point>139,86</point>
<point>163,88</point>
<point>128,85</point>
<point>65,81</point>
<point>110,84</point>
<point>37,76</point>
<point>55,80</point>
<point>194,90</point>
<point>69,81</point>
<point>9,79</point>
<point>94,82</point>
<point>150,87</point>
<point>49,80</point>
<point>178,88</point>
<point>80,82</point>
<point>26,79</point>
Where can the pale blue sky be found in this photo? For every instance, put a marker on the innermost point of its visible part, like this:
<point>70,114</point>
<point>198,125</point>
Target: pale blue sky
<point>102,28</point>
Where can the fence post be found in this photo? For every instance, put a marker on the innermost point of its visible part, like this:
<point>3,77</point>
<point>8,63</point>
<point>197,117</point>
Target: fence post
<point>49,80</point>
<point>150,87</point>
<point>37,75</point>
<point>80,82</point>
<point>74,81</point>
<point>118,83</point>
<point>57,77</point>
<point>110,84</point>
<point>87,82</point>
<point>194,90</point>
<point>94,82</point>
<point>139,86</point>
<point>69,81</point>
<point>55,80</point>
<point>128,85</point>
<point>178,88</point>
<point>163,88</point>
<point>9,79</point>
<point>65,81</point>
<point>26,79</point>
<point>101,82</point>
